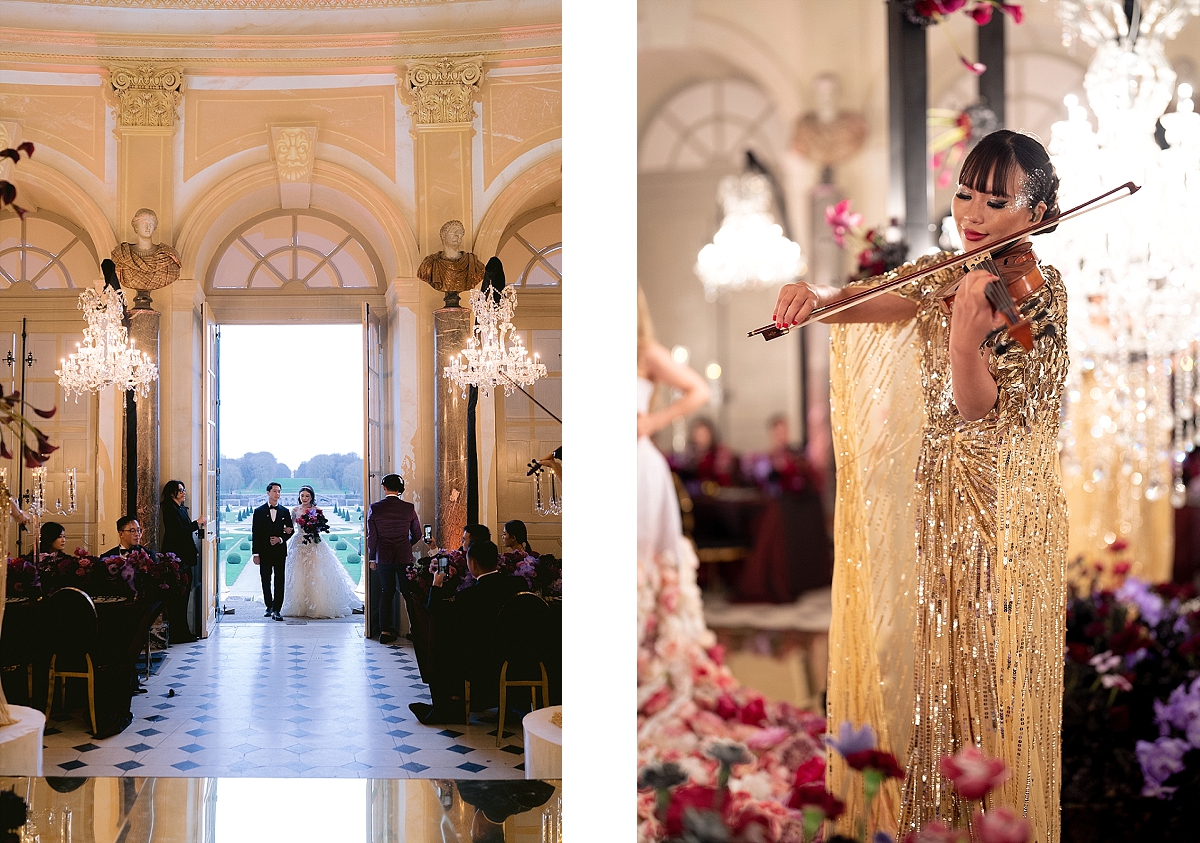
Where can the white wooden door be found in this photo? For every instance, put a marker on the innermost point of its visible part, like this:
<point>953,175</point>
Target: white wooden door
<point>373,445</point>
<point>211,577</point>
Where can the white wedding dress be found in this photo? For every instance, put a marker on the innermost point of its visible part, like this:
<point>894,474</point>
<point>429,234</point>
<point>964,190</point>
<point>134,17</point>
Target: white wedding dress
<point>315,585</point>
<point>672,637</point>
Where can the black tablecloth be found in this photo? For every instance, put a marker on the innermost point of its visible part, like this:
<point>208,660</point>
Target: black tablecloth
<point>122,627</point>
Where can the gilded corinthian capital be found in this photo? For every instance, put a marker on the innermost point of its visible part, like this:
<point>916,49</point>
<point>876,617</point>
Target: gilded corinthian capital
<point>442,90</point>
<point>146,95</point>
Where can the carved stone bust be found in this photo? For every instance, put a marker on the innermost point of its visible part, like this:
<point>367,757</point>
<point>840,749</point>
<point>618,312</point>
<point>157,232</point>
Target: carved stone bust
<point>145,265</point>
<point>828,135</point>
<point>451,270</point>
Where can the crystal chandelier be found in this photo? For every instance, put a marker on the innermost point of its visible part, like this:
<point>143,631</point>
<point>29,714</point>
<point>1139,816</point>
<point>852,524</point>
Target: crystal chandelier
<point>495,355</point>
<point>1132,270</point>
<point>750,249</point>
<point>106,357</point>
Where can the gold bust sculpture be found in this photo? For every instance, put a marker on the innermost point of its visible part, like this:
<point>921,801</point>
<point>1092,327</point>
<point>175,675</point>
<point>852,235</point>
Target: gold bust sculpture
<point>451,270</point>
<point>145,265</point>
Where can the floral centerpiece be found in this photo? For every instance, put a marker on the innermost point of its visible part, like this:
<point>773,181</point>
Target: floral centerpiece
<point>420,571</point>
<point>160,577</point>
<point>312,524</point>
<point>878,251</point>
<point>1131,701</point>
<point>24,579</point>
<point>542,571</point>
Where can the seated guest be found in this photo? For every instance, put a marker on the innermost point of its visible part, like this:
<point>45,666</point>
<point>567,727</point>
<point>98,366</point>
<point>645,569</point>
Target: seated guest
<point>129,538</point>
<point>53,539</point>
<point>462,629</point>
<point>514,536</point>
<point>707,464</point>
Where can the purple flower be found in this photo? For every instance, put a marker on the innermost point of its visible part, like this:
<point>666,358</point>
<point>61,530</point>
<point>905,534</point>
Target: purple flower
<point>1131,659</point>
<point>1182,710</point>
<point>850,740</point>
<point>1149,604</point>
<point>1162,759</point>
<point>1181,625</point>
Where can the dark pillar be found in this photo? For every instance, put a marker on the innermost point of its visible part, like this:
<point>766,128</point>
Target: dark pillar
<point>991,54</point>
<point>910,184</point>
<point>143,329</point>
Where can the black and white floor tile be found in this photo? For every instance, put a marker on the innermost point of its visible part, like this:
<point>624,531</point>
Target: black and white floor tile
<point>310,699</point>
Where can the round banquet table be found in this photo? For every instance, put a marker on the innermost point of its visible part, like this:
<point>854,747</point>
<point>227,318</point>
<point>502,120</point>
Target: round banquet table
<point>543,743</point>
<point>21,742</point>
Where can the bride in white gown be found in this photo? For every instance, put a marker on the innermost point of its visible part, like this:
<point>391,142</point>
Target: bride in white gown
<point>315,583</point>
<point>672,637</point>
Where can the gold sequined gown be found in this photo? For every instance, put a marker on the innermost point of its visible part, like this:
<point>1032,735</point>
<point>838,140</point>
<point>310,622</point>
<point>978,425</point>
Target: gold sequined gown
<point>949,594</point>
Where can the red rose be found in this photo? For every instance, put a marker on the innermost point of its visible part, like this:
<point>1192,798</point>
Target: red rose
<point>754,712</point>
<point>816,796</point>
<point>1001,825</point>
<point>875,759</point>
<point>973,773</point>
<point>727,709</point>
<point>698,796</point>
<point>1118,544</point>
<point>1079,652</point>
<point>812,770</point>
<point>1121,568</point>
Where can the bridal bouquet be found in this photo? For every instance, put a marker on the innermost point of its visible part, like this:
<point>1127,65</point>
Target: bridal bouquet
<point>312,524</point>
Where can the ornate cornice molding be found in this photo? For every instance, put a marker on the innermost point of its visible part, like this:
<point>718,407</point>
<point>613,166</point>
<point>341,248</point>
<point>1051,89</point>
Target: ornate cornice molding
<point>145,94</point>
<point>442,90</point>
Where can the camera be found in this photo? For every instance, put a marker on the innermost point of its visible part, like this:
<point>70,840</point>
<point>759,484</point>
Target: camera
<point>428,533</point>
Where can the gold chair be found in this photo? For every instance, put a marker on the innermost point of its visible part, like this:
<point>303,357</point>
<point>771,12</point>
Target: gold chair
<point>71,630</point>
<point>523,636</point>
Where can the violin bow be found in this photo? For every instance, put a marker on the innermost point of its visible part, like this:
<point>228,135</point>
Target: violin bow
<point>770,332</point>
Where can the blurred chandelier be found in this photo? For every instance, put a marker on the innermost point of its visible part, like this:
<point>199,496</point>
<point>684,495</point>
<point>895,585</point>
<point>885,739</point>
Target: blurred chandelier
<point>495,355</point>
<point>106,357</point>
<point>1133,269</point>
<point>750,249</point>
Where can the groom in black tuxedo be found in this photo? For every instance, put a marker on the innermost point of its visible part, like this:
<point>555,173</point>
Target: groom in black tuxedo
<point>269,532</point>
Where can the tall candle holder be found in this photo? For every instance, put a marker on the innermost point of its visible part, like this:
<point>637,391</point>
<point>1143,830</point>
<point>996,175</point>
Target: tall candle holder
<point>32,504</point>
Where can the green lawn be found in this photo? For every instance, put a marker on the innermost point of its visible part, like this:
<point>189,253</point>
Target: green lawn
<point>235,540</point>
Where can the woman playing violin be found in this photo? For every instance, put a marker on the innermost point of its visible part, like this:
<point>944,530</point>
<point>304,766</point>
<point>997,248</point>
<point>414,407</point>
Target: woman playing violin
<point>956,640</point>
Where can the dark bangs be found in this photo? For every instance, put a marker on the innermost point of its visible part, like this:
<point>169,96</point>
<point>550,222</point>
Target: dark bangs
<point>993,156</point>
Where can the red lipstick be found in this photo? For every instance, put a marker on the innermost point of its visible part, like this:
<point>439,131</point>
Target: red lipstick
<point>973,235</point>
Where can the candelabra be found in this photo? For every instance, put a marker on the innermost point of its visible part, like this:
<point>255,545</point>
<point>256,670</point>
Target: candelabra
<point>495,355</point>
<point>107,356</point>
<point>33,503</point>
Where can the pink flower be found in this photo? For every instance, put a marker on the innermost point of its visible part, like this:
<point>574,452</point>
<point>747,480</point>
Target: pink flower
<point>1115,680</point>
<point>765,739</point>
<point>974,67</point>
<point>812,770</point>
<point>1018,14</point>
<point>973,773</point>
<point>1001,826</point>
<point>982,14</point>
<point>839,218</point>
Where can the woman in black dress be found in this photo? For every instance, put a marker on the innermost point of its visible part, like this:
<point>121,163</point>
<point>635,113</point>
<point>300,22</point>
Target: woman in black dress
<point>179,538</point>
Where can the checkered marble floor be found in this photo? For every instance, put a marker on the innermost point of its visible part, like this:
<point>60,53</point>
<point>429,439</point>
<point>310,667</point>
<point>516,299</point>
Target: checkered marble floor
<point>311,699</point>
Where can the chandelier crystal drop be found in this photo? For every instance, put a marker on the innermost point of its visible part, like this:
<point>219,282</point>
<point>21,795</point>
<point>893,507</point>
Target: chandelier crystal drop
<point>495,355</point>
<point>749,250</point>
<point>1132,270</point>
<point>107,356</point>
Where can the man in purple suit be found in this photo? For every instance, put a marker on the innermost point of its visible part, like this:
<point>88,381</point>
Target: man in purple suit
<point>392,529</point>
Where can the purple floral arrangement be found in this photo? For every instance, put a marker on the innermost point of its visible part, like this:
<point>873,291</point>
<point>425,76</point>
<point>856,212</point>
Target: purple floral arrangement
<point>312,524</point>
<point>1131,711</point>
<point>24,579</point>
<point>542,571</point>
<point>134,576</point>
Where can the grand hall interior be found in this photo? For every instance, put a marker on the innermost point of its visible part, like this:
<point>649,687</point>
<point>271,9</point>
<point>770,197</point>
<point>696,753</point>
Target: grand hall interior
<point>330,223</point>
<point>925,569</point>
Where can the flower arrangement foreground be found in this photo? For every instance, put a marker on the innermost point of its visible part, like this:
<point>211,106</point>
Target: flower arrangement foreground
<point>542,572</point>
<point>135,577</point>
<point>1131,710</point>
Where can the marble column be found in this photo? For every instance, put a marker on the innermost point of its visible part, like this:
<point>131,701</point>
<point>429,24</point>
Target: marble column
<point>451,327</point>
<point>143,330</point>
<point>440,93</point>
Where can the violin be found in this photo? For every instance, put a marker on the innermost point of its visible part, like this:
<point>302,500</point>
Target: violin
<point>1017,269</point>
<point>1018,277</point>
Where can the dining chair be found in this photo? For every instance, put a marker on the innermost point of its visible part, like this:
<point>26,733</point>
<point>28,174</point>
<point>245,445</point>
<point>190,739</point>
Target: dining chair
<point>70,617</point>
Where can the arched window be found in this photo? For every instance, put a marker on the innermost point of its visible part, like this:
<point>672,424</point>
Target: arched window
<point>711,123</point>
<point>46,251</point>
<point>309,248</point>
<point>531,249</point>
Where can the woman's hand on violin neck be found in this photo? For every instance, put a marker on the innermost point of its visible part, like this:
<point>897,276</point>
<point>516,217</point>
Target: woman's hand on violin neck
<point>794,304</point>
<point>973,317</point>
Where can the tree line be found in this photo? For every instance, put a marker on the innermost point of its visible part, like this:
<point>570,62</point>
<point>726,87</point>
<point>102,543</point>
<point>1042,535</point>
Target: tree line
<point>328,472</point>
